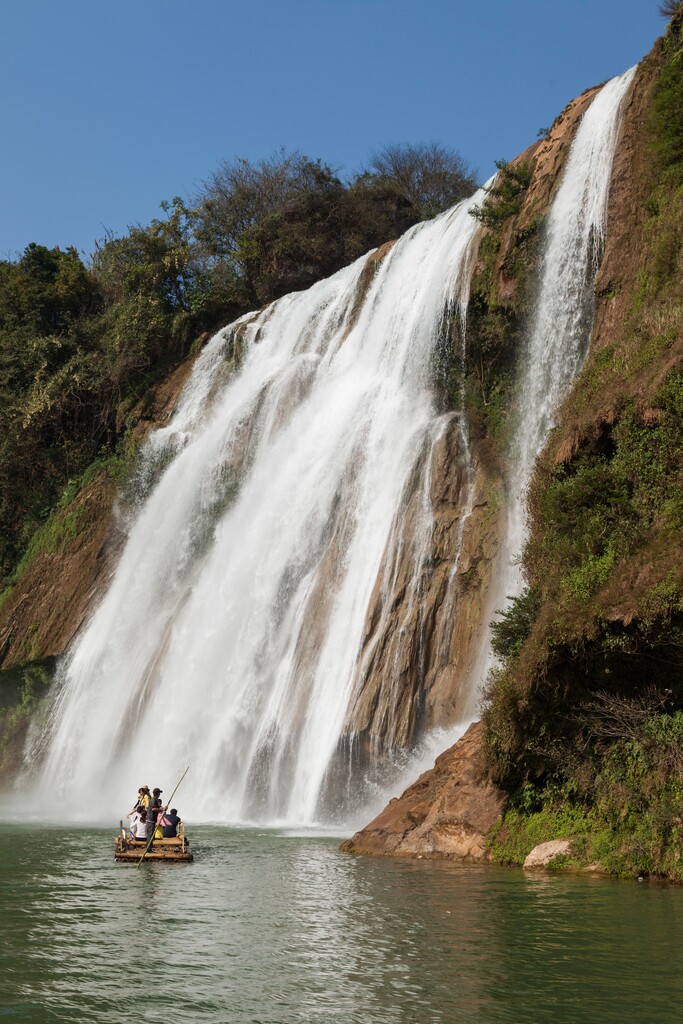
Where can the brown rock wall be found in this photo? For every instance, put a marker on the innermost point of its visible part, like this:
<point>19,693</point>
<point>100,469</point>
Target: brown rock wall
<point>449,810</point>
<point>423,624</point>
<point>626,214</point>
<point>547,158</point>
<point>588,415</point>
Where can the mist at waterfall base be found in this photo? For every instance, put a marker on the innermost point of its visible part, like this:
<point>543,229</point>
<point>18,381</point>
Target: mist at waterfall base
<point>229,636</point>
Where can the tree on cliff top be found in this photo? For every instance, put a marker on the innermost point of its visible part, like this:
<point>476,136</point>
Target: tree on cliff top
<point>240,194</point>
<point>670,8</point>
<point>429,178</point>
<point>283,223</point>
<point>269,227</point>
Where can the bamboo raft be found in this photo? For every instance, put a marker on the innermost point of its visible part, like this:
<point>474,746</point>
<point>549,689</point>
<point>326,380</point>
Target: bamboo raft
<point>131,850</point>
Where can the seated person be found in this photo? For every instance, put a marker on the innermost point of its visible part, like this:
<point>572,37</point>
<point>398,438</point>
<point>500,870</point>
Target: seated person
<point>138,825</point>
<point>169,824</point>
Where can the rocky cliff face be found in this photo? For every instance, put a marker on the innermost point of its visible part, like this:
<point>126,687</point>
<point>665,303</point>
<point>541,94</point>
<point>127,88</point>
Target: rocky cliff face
<point>437,644</point>
<point>604,558</point>
<point>420,657</point>
<point>422,637</point>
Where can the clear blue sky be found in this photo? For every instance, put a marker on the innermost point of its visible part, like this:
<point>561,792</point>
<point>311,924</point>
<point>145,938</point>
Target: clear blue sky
<point>110,106</point>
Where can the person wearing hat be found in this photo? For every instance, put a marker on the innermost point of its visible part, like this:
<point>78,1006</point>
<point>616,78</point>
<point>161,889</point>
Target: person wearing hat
<point>155,809</point>
<point>142,801</point>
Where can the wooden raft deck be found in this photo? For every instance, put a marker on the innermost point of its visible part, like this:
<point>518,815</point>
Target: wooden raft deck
<point>131,850</point>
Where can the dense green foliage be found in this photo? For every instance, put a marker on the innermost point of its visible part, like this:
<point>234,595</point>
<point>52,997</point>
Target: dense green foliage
<point>496,322</point>
<point>584,716</point>
<point>514,624</point>
<point>81,343</point>
<point>623,810</point>
<point>77,346</point>
<point>506,194</point>
<point>21,690</point>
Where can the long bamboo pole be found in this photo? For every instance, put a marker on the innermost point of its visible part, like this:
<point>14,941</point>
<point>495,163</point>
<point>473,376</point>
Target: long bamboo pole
<point>168,804</point>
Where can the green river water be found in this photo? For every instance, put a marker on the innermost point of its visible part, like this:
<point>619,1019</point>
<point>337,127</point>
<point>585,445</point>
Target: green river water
<point>277,928</point>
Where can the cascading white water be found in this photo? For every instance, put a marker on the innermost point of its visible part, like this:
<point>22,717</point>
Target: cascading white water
<point>558,343</point>
<point>230,631</point>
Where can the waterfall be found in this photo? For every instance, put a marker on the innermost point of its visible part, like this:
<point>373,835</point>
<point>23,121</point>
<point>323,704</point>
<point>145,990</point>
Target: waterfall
<point>561,326</point>
<point>231,637</point>
<point>230,631</point>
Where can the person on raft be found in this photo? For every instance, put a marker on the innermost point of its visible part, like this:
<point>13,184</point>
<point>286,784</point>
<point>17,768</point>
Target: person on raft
<point>169,824</point>
<point>146,817</point>
<point>139,826</point>
<point>144,814</point>
<point>143,800</point>
<point>155,811</point>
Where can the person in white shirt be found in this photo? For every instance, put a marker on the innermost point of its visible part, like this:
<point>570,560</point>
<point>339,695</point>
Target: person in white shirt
<point>138,825</point>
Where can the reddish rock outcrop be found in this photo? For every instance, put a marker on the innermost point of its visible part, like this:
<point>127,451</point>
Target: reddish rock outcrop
<point>446,814</point>
<point>546,159</point>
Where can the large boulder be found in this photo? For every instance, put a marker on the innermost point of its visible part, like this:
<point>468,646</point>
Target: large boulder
<point>446,814</point>
<point>545,853</point>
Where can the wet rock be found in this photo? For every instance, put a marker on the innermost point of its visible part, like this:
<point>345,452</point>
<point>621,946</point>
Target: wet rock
<point>446,814</point>
<point>430,603</point>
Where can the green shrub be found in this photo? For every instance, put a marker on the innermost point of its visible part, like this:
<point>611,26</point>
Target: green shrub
<point>514,624</point>
<point>505,196</point>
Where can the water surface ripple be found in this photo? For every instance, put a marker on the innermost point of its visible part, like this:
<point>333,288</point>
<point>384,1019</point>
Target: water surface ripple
<point>270,928</point>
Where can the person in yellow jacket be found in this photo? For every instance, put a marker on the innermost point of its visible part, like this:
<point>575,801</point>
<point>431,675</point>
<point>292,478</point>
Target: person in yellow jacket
<point>144,800</point>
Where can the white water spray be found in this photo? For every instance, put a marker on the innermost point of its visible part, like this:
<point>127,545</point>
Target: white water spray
<point>562,323</point>
<point>230,631</point>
